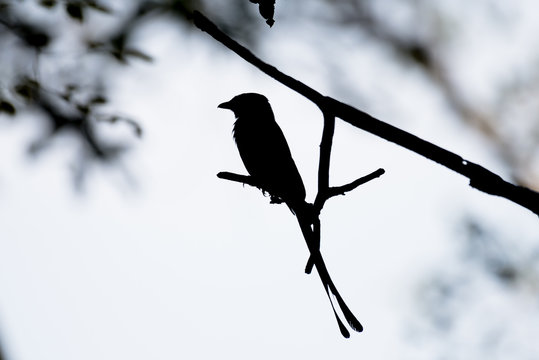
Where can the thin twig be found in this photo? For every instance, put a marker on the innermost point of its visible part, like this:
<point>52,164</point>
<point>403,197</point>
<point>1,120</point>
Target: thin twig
<point>325,152</point>
<point>341,190</point>
<point>323,177</point>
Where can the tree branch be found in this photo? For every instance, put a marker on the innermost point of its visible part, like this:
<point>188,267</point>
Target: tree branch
<point>204,24</point>
<point>323,179</point>
<point>341,190</point>
<point>325,152</point>
<point>480,178</point>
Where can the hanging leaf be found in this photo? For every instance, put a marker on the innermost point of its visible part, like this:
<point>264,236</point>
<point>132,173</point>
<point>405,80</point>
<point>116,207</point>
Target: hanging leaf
<point>266,9</point>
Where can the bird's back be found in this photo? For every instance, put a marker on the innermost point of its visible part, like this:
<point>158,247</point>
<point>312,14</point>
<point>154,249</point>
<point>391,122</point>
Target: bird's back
<point>266,156</point>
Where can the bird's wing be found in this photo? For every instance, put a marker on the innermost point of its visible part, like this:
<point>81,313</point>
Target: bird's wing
<point>266,156</point>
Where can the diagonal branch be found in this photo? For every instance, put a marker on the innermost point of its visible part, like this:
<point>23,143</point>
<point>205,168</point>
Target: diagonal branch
<point>480,178</point>
<point>204,24</point>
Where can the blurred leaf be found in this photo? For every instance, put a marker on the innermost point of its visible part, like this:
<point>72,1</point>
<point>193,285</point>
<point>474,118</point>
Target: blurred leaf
<point>84,109</point>
<point>98,100</point>
<point>118,45</point>
<point>68,92</point>
<point>138,130</point>
<point>75,10</point>
<point>420,54</point>
<point>112,119</point>
<point>507,274</point>
<point>138,54</point>
<point>48,3</point>
<point>96,6</point>
<point>7,107</point>
<point>37,146</point>
<point>27,88</point>
<point>92,45</point>
<point>136,127</point>
<point>33,36</point>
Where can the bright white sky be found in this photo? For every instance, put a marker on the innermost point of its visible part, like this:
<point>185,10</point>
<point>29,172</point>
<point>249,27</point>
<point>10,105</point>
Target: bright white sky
<point>184,265</point>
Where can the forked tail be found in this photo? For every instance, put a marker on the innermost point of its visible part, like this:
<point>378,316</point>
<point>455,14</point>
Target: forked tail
<point>328,284</point>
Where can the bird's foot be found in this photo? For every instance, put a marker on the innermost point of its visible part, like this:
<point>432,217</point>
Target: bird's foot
<point>275,200</point>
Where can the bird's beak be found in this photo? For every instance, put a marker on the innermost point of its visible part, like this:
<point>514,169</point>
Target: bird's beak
<point>225,105</point>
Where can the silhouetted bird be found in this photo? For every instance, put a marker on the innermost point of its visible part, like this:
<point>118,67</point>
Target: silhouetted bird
<point>267,158</point>
<point>264,150</point>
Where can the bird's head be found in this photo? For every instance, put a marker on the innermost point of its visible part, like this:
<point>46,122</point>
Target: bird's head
<point>246,104</point>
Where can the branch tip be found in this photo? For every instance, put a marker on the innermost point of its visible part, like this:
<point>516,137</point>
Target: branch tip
<point>342,190</point>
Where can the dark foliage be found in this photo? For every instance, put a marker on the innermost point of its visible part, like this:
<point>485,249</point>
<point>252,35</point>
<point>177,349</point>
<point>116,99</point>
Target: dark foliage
<point>7,107</point>
<point>71,100</point>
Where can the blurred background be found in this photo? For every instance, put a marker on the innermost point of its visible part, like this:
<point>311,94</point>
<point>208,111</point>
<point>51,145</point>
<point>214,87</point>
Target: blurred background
<point>118,241</point>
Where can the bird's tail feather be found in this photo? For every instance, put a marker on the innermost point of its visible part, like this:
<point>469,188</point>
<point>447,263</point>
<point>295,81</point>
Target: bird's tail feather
<point>310,265</point>
<point>327,282</point>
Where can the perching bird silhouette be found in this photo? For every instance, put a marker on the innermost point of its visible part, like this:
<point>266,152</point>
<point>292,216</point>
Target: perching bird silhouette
<point>266,156</point>
<point>264,150</point>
